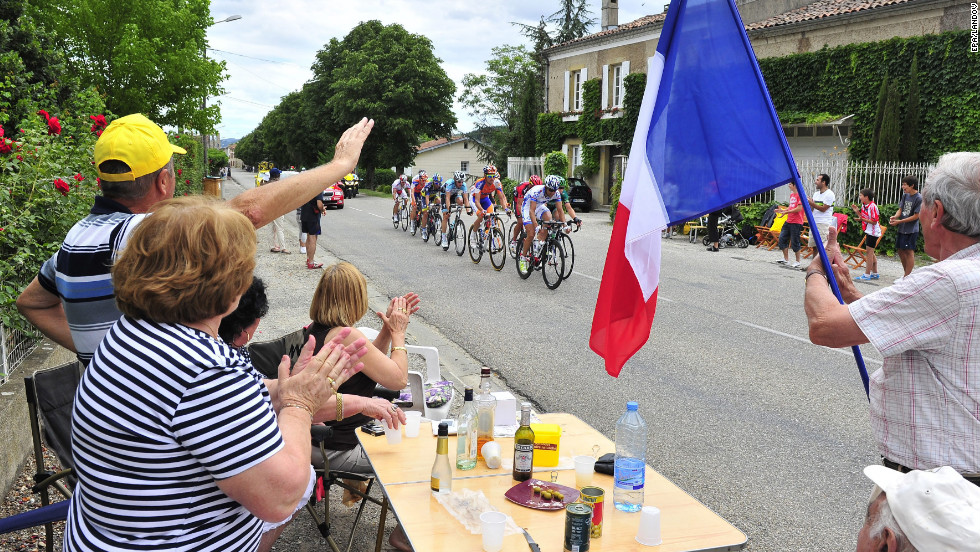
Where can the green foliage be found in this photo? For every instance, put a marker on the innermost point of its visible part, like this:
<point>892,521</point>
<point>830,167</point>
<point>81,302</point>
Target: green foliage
<point>35,214</point>
<point>848,79</point>
<point>384,189</point>
<point>146,56</point>
<point>385,73</point>
<point>798,117</point>
<point>888,140</point>
<point>617,188</point>
<point>190,166</point>
<point>217,159</point>
<point>490,98</point>
<point>552,132</point>
<point>383,177</point>
<point>573,20</point>
<point>753,212</point>
<point>510,186</point>
<point>881,104</point>
<point>910,123</point>
<point>634,85</point>
<point>589,127</point>
<point>556,162</point>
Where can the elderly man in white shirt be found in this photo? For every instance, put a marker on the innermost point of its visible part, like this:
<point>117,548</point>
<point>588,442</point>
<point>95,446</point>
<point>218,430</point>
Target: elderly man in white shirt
<point>925,399</point>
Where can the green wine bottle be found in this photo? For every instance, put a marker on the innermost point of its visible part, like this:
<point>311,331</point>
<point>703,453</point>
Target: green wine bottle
<point>524,446</point>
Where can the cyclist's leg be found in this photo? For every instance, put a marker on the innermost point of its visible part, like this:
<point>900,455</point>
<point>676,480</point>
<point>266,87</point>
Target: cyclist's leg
<point>445,212</point>
<point>529,226</point>
<point>544,214</point>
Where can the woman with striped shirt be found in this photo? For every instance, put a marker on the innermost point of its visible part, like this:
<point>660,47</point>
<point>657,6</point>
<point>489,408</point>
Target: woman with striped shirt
<point>178,442</point>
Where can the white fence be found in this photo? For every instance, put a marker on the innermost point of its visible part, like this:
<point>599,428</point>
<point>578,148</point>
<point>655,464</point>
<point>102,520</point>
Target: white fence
<point>848,178</point>
<point>14,348</point>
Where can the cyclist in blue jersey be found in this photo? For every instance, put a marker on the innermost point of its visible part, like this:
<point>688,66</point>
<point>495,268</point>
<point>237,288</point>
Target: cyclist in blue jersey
<point>535,208</point>
<point>418,201</point>
<point>432,193</point>
<point>454,191</point>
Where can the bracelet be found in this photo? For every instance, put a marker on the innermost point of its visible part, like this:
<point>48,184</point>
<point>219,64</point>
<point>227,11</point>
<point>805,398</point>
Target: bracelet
<point>304,408</point>
<point>811,273</point>
<point>393,349</point>
<point>340,407</point>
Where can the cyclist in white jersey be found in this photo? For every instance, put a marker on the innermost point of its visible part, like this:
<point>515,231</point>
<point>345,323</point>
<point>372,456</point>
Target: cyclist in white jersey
<point>535,208</point>
<point>399,190</point>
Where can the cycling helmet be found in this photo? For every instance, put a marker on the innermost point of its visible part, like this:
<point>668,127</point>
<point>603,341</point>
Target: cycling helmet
<point>552,182</point>
<point>423,174</point>
<point>490,170</point>
<point>535,180</point>
<point>436,179</point>
<point>403,178</point>
<point>458,176</point>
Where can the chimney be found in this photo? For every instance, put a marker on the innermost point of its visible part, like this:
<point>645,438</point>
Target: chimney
<point>610,14</point>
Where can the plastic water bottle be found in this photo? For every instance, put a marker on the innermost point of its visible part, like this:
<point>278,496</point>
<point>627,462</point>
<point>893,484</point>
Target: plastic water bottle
<point>630,468</point>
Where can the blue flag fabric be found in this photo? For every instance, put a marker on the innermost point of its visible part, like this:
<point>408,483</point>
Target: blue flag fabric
<point>715,138</point>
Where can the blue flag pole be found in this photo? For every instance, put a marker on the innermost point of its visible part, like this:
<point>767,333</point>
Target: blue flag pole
<point>815,232</point>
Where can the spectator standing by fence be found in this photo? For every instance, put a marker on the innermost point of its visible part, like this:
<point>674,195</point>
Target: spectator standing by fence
<point>907,220</point>
<point>822,203</point>
<point>789,234</point>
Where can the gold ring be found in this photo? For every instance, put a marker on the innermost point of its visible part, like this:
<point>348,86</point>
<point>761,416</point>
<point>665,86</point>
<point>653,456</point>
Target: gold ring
<point>394,408</point>
<point>330,381</point>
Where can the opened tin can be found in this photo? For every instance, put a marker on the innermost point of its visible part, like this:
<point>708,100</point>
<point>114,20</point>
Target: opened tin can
<point>594,497</point>
<point>578,527</point>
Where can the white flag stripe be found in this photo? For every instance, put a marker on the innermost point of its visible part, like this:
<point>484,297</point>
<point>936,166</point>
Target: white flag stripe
<point>641,193</point>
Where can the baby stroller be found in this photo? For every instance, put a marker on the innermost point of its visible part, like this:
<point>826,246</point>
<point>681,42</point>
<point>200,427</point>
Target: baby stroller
<point>729,233</point>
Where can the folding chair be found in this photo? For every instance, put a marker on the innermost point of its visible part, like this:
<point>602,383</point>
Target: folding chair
<point>857,254</point>
<point>50,396</point>
<point>265,358</point>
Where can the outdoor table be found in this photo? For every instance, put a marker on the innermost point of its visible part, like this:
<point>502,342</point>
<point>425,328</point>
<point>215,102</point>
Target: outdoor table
<point>403,470</point>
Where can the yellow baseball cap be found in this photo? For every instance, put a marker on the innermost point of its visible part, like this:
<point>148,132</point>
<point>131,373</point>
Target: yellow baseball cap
<point>137,142</point>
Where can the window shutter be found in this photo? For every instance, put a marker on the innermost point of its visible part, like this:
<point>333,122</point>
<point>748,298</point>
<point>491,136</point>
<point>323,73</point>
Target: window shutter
<point>626,68</point>
<point>585,74</point>
<point>605,87</point>
<point>567,92</point>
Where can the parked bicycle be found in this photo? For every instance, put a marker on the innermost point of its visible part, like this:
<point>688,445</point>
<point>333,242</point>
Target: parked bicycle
<point>549,259</point>
<point>489,238</point>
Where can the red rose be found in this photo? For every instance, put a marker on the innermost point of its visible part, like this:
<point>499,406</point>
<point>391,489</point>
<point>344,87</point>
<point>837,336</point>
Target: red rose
<point>45,114</point>
<point>61,186</point>
<point>178,172</point>
<point>98,124</point>
<point>22,131</point>
<point>20,157</point>
<point>54,126</point>
<point>98,182</point>
<point>188,181</point>
<point>78,177</point>
<point>5,145</point>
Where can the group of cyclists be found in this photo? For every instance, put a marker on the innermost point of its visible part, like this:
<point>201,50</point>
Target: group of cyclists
<point>535,201</point>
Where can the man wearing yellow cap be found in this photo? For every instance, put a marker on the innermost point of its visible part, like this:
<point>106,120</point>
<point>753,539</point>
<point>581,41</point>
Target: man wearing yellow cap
<point>72,299</point>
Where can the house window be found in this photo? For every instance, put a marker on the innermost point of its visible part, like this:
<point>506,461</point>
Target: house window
<point>577,91</point>
<point>617,86</point>
<point>466,145</point>
<point>576,154</point>
<point>464,166</point>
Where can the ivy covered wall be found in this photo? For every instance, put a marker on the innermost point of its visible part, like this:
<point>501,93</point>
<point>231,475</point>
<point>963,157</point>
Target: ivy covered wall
<point>847,80</point>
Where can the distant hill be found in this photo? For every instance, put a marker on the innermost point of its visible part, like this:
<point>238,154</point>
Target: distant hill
<point>225,142</point>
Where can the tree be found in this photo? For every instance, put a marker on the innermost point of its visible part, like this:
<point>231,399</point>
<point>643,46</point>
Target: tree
<point>217,159</point>
<point>144,56</point>
<point>526,124</point>
<point>489,97</point>
<point>879,117</point>
<point>890,126</point>
<point>572,20</point>
<point>385,73</point>
<point>910,124</point>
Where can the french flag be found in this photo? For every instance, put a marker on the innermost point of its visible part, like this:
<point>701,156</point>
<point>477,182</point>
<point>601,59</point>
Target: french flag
<point>707,136</point>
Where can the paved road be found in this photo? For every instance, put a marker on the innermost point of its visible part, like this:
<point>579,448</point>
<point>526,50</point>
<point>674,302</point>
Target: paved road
<point>745,414</point>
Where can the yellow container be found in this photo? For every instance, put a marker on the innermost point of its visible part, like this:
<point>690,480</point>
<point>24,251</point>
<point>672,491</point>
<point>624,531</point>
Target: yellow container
<point>546,439</point>
<point>687,228</point>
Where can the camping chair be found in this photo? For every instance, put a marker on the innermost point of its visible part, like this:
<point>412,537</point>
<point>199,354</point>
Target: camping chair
<point>265,358</point>
<point>857,254</point>
<point>50,397</point>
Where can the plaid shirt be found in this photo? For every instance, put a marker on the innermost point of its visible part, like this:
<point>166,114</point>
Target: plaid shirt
<point>925,400</point>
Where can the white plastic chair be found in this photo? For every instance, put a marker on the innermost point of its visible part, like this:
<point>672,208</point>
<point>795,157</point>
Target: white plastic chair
<point>416,381</point>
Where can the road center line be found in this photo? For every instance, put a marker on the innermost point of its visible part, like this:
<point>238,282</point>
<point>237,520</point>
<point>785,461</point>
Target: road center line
<point>846,351</point>
<point>368,212</point>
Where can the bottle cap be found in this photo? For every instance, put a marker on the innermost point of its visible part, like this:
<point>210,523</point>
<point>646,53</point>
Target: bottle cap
<point>443,429</point>
<point>526,406</point>
<point>632,406</point>
<point>468,394</point>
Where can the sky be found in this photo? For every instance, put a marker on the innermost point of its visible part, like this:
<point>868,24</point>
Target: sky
<point>269,51</point>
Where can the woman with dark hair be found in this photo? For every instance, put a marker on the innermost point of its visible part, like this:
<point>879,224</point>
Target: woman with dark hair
<point>238,328</point>
<point>178,442</point>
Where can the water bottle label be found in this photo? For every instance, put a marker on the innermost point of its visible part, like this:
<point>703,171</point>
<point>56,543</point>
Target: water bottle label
<point>629,474</point>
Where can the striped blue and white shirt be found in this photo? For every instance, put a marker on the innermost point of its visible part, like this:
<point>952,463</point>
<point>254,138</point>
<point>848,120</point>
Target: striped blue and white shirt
<point>78,272</point>
<point>163,412</point>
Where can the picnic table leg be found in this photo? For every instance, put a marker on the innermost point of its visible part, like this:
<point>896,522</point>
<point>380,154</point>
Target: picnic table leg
<point>381,524</point>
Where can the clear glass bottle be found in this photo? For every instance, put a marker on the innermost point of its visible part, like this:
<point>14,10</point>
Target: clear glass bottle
<point>485,405</point>
<point>466,433</point>
<point>442,473</point>
<point>630,465</point>
<point>524,446</point>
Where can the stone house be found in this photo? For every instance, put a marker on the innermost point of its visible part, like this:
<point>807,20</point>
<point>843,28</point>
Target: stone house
<point>775,28</point>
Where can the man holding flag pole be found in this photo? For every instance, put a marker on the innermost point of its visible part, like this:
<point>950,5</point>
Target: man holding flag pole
<point>707,136</point>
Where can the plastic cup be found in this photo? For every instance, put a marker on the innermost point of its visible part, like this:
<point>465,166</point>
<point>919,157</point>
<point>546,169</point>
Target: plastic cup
<point>584,468</point>
<point>412,421</point>
<point>492,526</point>
<point>649,532</point>
<point>394,436</point>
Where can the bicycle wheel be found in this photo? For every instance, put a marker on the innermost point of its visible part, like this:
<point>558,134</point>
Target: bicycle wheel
<point>474,244</point>
<point>396,219</point>
<point>742,243</point>
<point>403,216</point>
<point>415,223</point>
<point>566,243</point>
<point>428,231</point>
<point>458,237</point>
<point>499,223</point>
<point>524,268</point>
<point>705,241</point>
<point>511,247</point>
<point>436,222</point>
<point>553,264</point>
<point>498,249</point>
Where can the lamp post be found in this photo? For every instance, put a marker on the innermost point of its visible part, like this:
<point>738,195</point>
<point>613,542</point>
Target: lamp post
<point>204,100</point>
